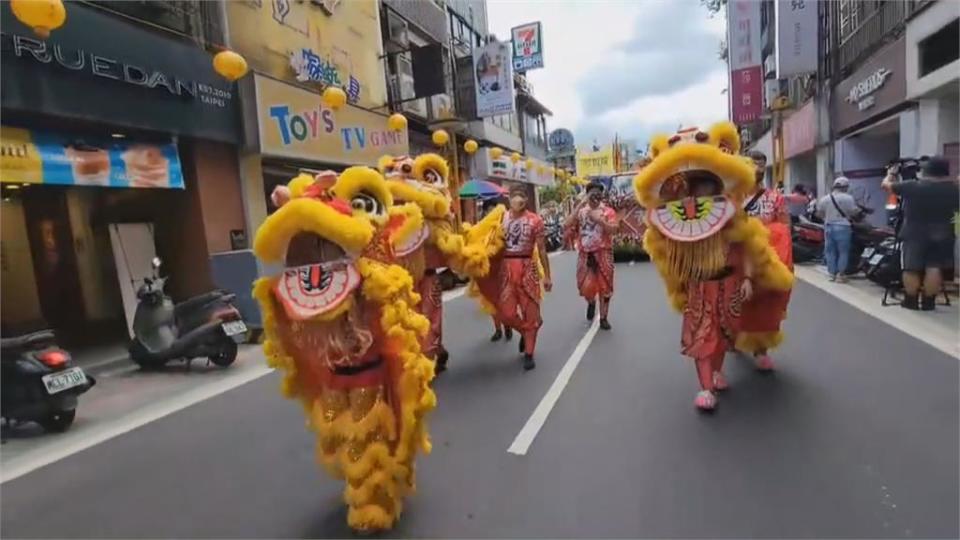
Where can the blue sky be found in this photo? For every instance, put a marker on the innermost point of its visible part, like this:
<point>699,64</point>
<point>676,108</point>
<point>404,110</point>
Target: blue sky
<point>631,67</point>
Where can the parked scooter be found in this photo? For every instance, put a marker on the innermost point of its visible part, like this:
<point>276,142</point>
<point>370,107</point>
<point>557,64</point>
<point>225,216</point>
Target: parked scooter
<point>39,381</point>
<point>206,325</point>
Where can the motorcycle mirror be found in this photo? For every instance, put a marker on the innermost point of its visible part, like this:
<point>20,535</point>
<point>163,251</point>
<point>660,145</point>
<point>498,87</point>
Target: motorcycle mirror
<point>156,263</point>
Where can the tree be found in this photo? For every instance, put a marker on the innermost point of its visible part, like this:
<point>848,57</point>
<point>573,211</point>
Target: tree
<point>714,6</point>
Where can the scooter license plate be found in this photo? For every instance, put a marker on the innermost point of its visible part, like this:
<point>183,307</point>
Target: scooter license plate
<point>233,328</point>
<point>64,380</point>
<point>867,252</point>
<point>875,260</point>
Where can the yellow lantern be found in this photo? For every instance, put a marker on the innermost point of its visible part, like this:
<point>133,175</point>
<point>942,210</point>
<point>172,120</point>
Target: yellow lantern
<point>515,157</point>
<point>470,146</point>
<point>229,65</point>
<point>42,16</point>
<point>541,169</point>
<point>440,137</point>
<point>397,122</point>
<point>495,152</point>
<point>529,164</point>
<point>334,97</point>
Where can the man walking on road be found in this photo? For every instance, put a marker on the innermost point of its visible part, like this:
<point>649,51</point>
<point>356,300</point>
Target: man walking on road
<point>593,224</point>
<point>520,279</point>
<point>838,210</point>
<point>928,239</point>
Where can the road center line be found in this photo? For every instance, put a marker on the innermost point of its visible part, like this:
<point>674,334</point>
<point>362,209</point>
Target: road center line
<point>539,417</point>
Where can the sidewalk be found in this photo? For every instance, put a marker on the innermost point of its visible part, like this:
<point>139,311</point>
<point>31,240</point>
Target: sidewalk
<point>939,329</point>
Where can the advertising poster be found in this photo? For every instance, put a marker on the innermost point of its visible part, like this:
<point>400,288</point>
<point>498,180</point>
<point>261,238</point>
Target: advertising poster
<point>493,78</point>
<point>527,47</point>
<point>38,157</point>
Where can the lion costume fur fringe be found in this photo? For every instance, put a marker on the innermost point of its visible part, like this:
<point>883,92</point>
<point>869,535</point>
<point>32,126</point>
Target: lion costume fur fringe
<point>357,435</point>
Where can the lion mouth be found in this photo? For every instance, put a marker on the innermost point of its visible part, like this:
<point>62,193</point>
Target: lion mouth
<point>318,278</point>
<point>696,207</point>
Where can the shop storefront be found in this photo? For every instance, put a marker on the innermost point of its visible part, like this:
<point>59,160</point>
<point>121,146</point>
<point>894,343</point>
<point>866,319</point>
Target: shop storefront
<point>118,142</point>
<point>799,142</point>
<point>297,132</point>
<point>867,110</point>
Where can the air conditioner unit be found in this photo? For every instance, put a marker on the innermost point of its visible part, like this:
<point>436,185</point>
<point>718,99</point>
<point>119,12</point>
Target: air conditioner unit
<point>398,33</point>
<point>405,86</point>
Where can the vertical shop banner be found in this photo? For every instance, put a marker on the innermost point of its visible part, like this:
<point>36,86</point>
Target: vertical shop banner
<point>527,47</point>
<point>493,75</point>
<point>796,37</point>
<point>36,157</point>
<point>746,74</point>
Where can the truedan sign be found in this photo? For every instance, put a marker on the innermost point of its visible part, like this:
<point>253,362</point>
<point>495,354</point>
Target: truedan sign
<point>107,70</point>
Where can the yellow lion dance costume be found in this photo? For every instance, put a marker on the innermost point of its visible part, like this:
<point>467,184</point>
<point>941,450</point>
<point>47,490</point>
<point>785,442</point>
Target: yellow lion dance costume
<point>709,253</point>
<point>424,181</point>
<point>340,323</point>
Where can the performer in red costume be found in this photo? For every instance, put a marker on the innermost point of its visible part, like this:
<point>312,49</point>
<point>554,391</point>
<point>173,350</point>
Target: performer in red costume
<point>490,284</point>
<point>593,225</point>
<point>520,279</point>
<point>762,314</point>
<point>711,256</point>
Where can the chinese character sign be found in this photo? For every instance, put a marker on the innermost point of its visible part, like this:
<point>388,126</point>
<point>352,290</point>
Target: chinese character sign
<point>796,37</point>
<point>746,76</point>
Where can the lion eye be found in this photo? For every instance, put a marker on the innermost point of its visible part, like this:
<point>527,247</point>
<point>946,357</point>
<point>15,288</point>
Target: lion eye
<point>364,202</point>
<point>702,137</point>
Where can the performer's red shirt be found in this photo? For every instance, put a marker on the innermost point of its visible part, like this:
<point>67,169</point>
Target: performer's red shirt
<point>591,234</point>
<point>522,233</point>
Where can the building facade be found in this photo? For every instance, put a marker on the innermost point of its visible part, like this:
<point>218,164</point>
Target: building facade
<point>119,143</point>
<point>295,50</point>
<point>885,88</point>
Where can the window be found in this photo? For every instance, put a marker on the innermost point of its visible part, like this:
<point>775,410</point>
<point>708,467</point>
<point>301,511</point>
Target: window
<point>849,17</point>
<point>940,48</point>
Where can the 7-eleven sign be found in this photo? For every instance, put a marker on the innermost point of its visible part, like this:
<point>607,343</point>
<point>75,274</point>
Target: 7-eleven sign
<point>527,47</point>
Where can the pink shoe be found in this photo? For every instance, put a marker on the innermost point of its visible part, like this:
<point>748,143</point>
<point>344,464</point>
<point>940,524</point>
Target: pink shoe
<point>719,381</point>
<point>764,362</point>
<point>705,400</point>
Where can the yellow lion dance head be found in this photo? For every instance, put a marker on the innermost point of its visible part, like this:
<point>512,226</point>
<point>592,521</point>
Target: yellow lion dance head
<point>422,180</point>
<point>695,182</point>
<point>693,189</point>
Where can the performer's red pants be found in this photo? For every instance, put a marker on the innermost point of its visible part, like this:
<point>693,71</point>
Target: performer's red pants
<point>520,299</point>
<point>595,277</point>
<point>764,312</point>
<point>711,320</point>
<point>431,306</point>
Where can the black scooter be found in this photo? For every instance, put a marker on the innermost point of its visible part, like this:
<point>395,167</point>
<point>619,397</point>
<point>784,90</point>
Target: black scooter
<point>39,381</point>
<point>207,325</point>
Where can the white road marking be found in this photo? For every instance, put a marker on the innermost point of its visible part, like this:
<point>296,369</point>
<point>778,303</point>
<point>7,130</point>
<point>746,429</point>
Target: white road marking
<point>529,432</point>
<point>118,371</point>
<point>76,441</point>
<point>68,444</point>
<point>910,322</point>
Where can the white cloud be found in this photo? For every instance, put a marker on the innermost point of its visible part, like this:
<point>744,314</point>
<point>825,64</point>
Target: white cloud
<point>632,68</point>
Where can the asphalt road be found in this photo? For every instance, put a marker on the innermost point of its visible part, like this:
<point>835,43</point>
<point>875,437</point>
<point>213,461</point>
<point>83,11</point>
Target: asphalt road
<point>856,435</point>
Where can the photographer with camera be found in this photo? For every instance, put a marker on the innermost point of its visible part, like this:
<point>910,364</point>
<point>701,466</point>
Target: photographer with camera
<point>926,231</point>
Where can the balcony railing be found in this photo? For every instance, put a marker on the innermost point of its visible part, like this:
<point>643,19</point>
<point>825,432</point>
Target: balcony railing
<point>879,23</point>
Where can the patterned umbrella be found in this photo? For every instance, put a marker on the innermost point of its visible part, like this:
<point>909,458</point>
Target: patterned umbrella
<point>480,189</point>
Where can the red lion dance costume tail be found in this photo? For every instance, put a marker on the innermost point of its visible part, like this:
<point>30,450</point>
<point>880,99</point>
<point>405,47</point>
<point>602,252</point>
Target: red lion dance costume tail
<point>709,253</point>
<point>340,324</point>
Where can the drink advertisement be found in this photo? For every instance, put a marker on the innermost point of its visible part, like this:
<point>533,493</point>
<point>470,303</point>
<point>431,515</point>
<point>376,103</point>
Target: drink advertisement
<point>38,157</point>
